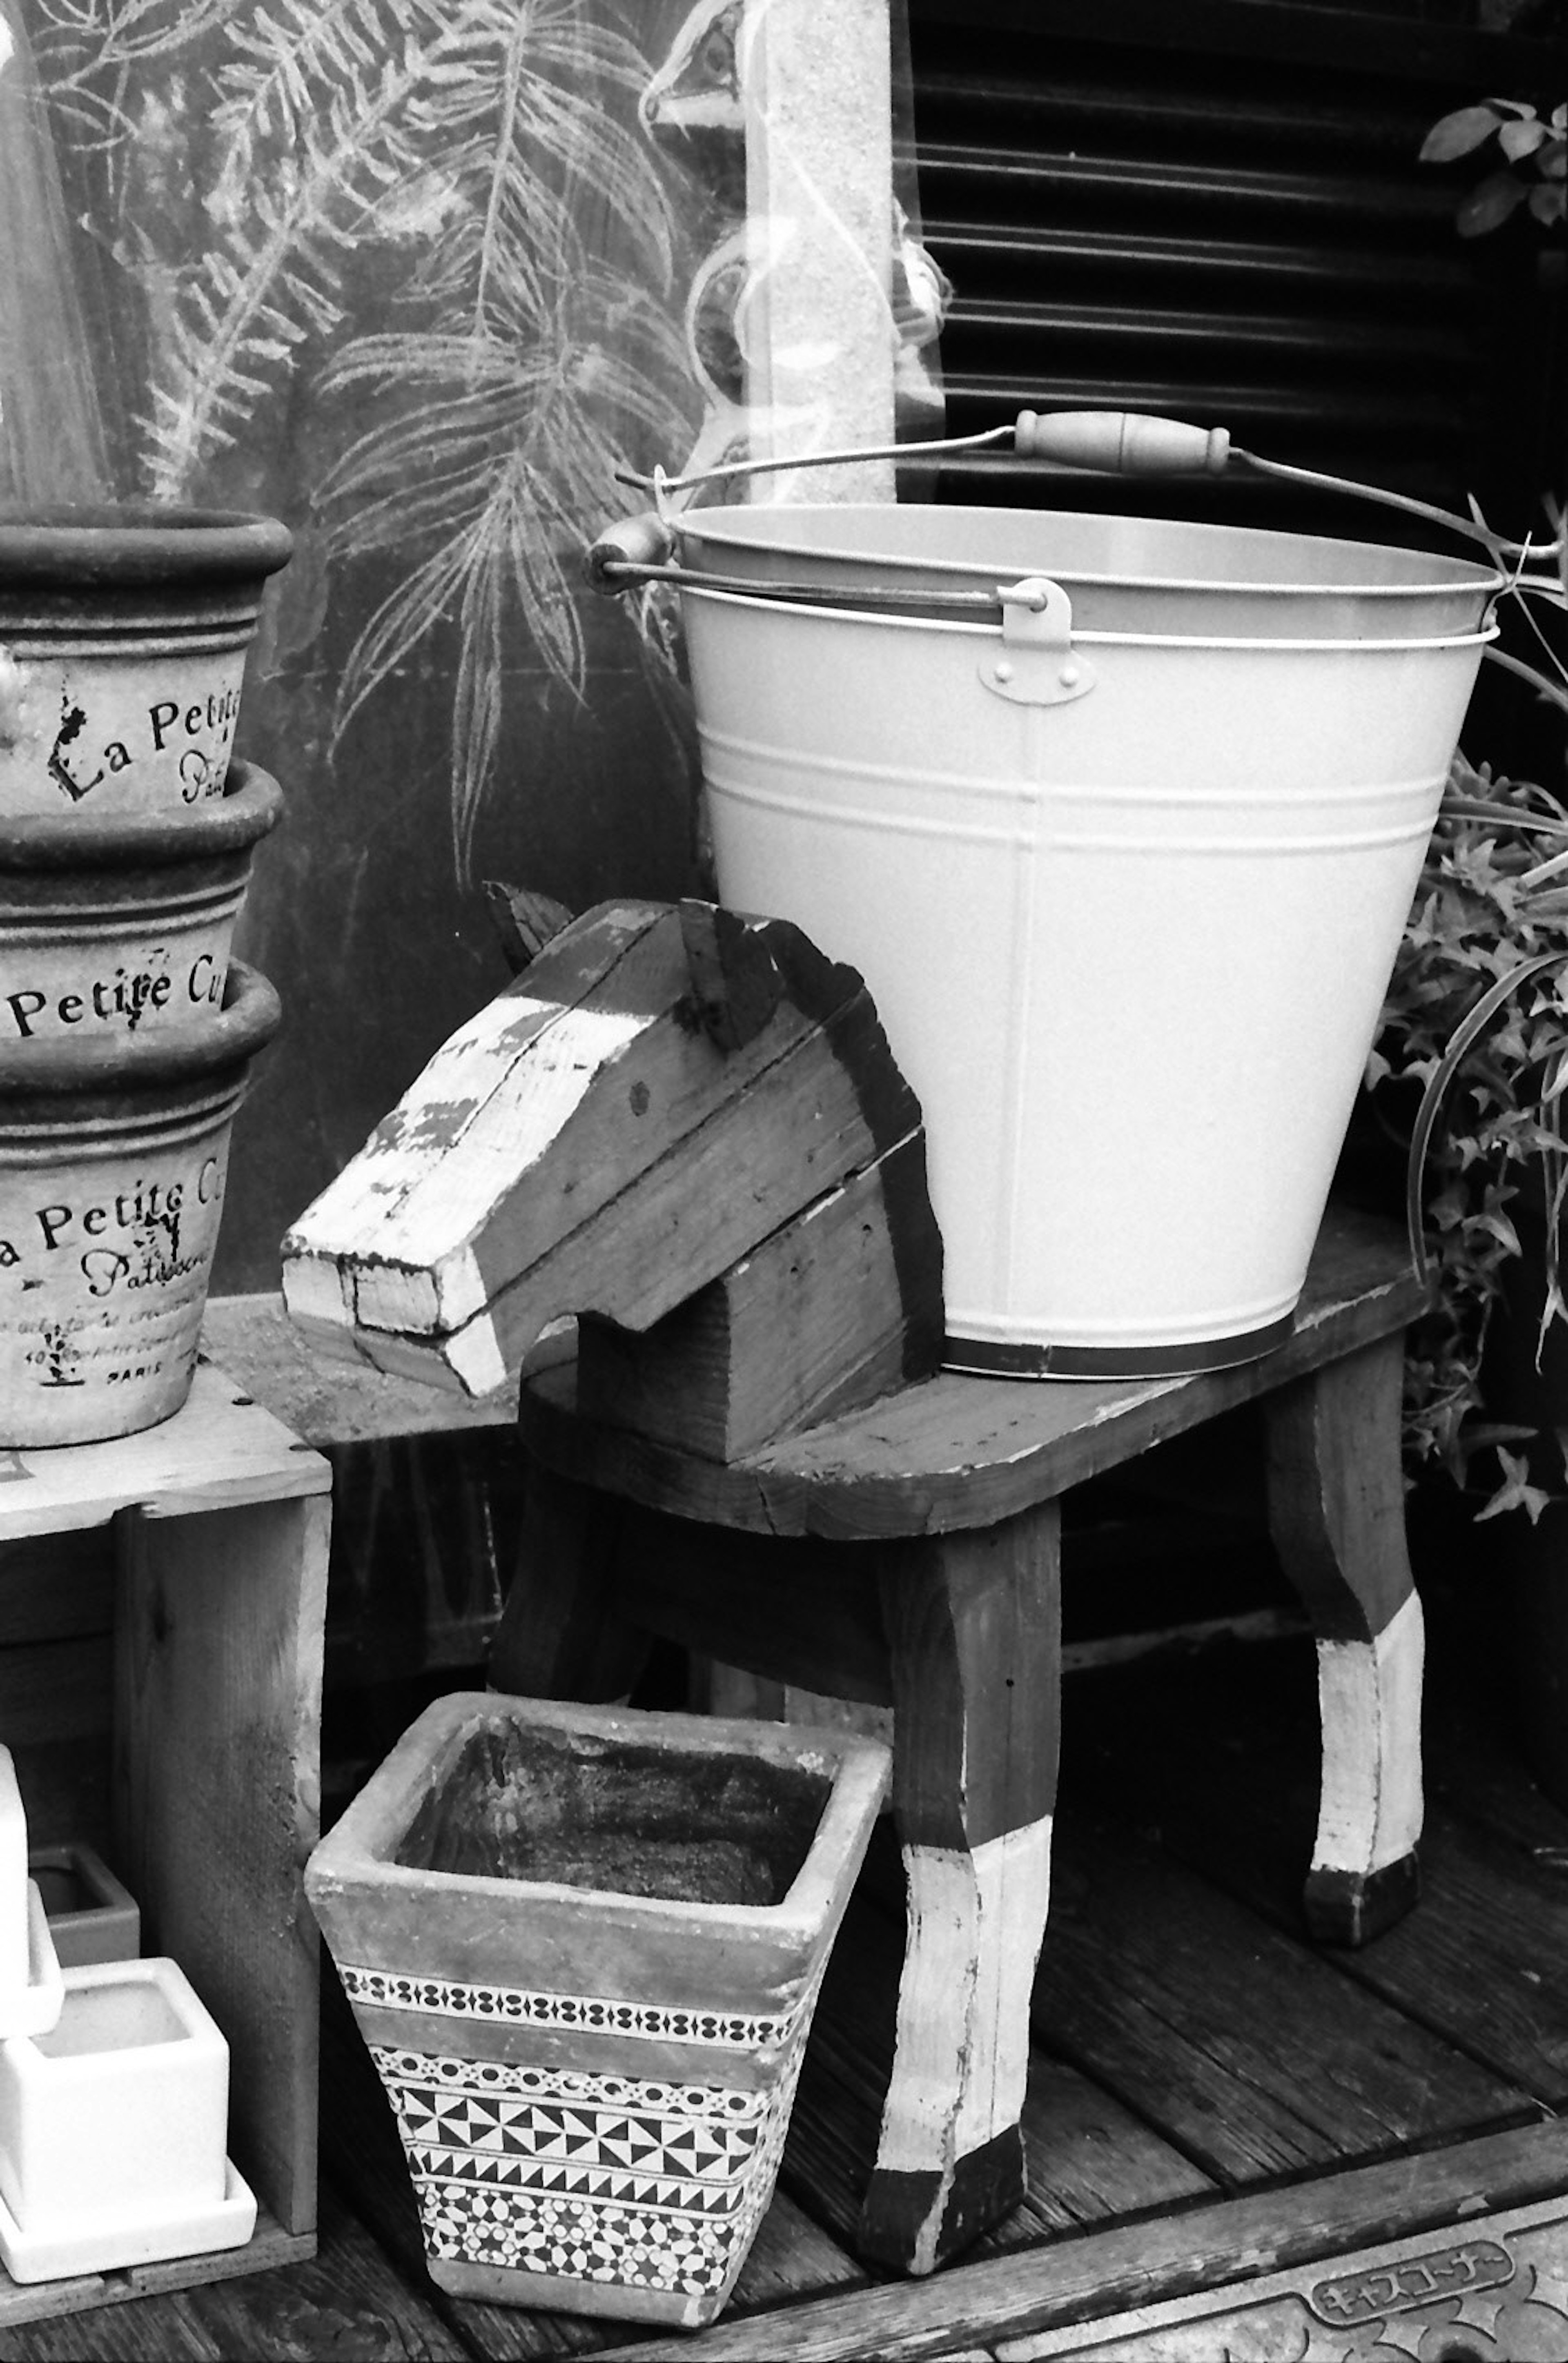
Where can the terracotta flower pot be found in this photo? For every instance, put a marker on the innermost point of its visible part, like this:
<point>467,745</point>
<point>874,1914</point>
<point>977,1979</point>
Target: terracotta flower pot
<point>119,924</point>
<point>123,634</point>
<point>584,1947</point>
<point>113,1157</point>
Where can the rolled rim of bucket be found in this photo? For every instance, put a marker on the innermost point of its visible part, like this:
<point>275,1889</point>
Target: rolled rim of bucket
<point>138,545</point>
<point>762,601</point>
<point>251,805</point>
<point>249,1016</point>
<point>819,538</point>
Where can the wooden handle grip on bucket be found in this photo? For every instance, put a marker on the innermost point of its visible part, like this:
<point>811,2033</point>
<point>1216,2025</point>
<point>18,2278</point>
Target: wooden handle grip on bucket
<point>645,540</point>
<point>1120,442</point>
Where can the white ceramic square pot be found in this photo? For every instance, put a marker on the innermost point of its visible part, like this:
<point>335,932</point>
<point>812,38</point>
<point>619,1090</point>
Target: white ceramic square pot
<point>92,1916</point>
<point>584,1947</point>
<point>113,2127</point>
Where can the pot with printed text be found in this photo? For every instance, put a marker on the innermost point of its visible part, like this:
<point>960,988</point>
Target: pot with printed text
<point>114,1155</point>
<point>123,638</point>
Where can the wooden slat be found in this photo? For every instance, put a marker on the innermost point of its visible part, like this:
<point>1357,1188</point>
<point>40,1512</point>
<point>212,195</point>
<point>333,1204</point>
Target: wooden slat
<point>218,1452</point>
<point>1088,2156</point>
<point>80,2316</point>
<point>1507,2272</point>
<point>218,1684</point>
<point>1073,2281</point>
<point>347,2301</point>
<point>962,1452</point>
<point>1480,1958</point>
<point>325,1400</point>
<point>1251,2052</point>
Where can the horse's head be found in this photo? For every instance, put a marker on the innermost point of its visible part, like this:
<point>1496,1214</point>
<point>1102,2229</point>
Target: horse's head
<point>657,1093</point>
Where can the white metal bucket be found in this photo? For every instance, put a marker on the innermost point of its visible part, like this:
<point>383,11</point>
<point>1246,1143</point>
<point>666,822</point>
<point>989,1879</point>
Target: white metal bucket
<point>1128,902</point>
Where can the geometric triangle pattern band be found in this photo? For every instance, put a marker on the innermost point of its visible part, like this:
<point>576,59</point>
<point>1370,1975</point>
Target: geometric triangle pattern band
<point>587,2178</point>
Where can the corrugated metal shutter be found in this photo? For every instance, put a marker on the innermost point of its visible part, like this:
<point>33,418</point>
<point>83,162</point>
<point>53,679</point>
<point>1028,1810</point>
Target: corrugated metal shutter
<point>1214,209</point>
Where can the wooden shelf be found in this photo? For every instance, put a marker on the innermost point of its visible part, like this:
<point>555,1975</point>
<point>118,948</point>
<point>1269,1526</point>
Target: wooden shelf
<point>207,1688</point>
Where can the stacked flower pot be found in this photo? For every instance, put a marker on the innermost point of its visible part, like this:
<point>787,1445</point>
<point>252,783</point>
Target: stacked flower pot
<point>127,1032</point>
<point>113,2084</point>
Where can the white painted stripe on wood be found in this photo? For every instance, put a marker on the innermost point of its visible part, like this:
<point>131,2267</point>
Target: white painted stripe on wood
<point>1369,1697</point>
<point>961,2067</point>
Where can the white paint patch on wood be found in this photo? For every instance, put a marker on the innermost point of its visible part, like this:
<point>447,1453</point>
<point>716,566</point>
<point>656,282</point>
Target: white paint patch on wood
<point>976,1922</point>
<point>485,1107</point>
<point>1369,1697</point>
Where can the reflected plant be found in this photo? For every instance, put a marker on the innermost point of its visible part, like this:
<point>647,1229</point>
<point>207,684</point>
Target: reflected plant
<point>1533,167</point>
<point>530,353</point>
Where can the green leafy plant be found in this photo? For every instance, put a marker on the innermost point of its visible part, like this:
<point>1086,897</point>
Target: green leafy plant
<point>1475,1025</point>
<point>1533,171</point>
<point>1477,1021</point>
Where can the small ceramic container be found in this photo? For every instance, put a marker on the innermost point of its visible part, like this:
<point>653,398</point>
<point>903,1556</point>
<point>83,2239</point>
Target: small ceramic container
<point>113,2129</point>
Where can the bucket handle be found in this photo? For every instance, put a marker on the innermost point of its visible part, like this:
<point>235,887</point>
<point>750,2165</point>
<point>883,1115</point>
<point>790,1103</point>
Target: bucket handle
<point>1117,442</point>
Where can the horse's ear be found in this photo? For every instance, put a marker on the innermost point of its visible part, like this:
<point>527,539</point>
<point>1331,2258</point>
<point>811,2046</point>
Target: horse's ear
<point>525,922</point>
<point>736,984</point>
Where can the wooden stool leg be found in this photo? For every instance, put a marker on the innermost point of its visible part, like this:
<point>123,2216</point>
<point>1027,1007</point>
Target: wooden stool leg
<point>561,1634</point>
<point>973,1624</point>
<point>1337,1515</point>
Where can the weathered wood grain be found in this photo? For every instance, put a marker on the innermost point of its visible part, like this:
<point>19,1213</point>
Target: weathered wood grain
<point>561,1633</point>
<point>1122,2265</point>
<point>219,1451</point>
<point>1494,2286</point>
<point>323,1399</point>
<point>346,2301</point>
<point>1480,1960</point>
<point>525,921</point>
<point>972,1622</point>
<point>836,1308</point>
<point>1250,2052</point>
<point>960,1451</point>
<point>1337,1518</point>
<point>1088,2156</point>
<point>87,2315</point>
<point>218,1655</point>
<point>548,1159</point>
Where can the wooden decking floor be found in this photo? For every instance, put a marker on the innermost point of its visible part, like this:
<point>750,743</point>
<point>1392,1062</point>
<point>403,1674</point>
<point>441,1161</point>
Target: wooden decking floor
<point>1212,2098</point>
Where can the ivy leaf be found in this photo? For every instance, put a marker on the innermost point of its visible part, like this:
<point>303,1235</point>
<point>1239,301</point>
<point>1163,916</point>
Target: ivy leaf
<point>1489,204</point>
<point>1458,133</point>
<point>1547,202</point>
<point>1516,1491</point>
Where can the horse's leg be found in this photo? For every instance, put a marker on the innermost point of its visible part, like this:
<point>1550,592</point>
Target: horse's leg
<point>972,1625</point>
<point>1337,1515</point>
<point>563,1633</point>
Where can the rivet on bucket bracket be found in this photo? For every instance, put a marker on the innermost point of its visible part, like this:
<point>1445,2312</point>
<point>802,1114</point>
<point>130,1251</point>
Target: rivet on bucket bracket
<point>1037,663</point>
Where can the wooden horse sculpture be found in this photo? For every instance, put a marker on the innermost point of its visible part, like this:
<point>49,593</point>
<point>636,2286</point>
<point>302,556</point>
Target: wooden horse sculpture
<point>687,1128</point>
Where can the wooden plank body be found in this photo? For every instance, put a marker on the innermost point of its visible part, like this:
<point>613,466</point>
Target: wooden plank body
<point>945,1498</point>
<point>609,1136</point>
<point>210,1683</point>
<point>836,1309</point>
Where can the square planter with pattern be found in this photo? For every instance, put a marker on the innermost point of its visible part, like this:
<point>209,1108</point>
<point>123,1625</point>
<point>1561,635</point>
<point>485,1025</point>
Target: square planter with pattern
<point>584,1947</point>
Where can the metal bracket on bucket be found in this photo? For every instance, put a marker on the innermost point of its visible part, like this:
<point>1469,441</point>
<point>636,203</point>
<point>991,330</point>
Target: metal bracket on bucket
<point>1036,663</point>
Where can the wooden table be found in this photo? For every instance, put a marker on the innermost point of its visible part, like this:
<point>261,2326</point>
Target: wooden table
<point>909,1555</point>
